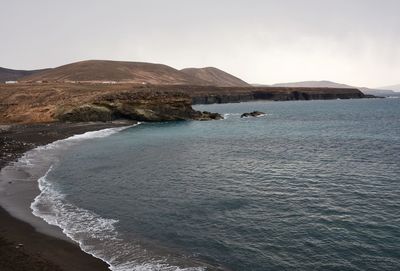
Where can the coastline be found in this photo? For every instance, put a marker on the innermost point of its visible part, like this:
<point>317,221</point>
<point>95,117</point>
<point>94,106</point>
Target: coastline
<point>22,246</point>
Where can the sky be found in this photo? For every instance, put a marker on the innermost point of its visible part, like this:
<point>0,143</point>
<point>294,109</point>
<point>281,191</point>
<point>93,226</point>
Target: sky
<point>355,42</point>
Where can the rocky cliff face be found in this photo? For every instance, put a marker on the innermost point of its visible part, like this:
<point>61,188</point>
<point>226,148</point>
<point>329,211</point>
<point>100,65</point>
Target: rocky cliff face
<point>150,107</point>
<point>273,94</point>
<point>49,102</point>
<point>35,103</point>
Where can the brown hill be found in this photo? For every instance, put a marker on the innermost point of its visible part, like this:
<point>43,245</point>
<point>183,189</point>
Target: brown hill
<point>395,88</point>
<point>119,71</point>
<point>329,84</point>
<point>137,73</point>
<point>313,84</point>
<point>215,77</point>
<point>14,75</point>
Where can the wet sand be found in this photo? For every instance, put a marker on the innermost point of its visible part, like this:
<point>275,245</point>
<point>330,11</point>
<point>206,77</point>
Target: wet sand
<point>22,247</point>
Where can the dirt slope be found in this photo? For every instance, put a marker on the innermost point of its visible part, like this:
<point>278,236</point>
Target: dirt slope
<point>15,75</point>
<point>119,71</point>
<point>215,77</point>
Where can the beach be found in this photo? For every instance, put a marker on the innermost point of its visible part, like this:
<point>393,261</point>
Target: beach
<point>22,247</point>
<point>200,136</point>
<point>303,187</point>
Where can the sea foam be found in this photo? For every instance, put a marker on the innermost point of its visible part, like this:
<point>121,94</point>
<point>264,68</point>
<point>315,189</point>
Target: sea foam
<point>95,235</point>
<point>229,115</point>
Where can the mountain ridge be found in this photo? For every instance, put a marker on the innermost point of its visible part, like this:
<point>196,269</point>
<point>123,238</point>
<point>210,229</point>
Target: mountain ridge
<point>132,72</point>
<point>215,76</point>
<point>322,83</point>
<point>330,84</point>
<point>118,71</point>
<point>13,75</point>
<point>392,87</point>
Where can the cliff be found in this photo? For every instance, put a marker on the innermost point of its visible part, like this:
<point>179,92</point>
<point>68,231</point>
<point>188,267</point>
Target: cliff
<point>273,94</point>
<point>34,103</point>
<point>210,94</point>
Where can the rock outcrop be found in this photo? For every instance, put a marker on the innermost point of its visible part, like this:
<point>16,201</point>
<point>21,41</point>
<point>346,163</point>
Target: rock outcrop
<point>150,107</point>
<point>252,114</point>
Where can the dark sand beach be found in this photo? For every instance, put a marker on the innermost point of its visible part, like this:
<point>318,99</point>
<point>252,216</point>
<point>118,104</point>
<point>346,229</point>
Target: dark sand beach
<point>21,246</point>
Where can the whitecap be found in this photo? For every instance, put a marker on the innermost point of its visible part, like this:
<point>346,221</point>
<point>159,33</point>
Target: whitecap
<point>95,235</point>
<point>229,115</point>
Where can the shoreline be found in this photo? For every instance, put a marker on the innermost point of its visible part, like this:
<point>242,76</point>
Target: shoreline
<point>22,246</point>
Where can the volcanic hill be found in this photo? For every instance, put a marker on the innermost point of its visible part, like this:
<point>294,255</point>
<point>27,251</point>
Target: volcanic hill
<point>215,77</point>
<point>136,73</point>
<point>14,75</point>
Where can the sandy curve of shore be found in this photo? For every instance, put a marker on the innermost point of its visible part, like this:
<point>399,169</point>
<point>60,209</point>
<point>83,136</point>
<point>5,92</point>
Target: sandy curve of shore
<point>23,246</point>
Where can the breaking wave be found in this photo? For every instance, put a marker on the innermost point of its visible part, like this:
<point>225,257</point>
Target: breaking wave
<point>94,234</point>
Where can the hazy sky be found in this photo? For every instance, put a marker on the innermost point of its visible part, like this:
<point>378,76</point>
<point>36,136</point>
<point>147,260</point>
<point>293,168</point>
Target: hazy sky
<point>349,41</point>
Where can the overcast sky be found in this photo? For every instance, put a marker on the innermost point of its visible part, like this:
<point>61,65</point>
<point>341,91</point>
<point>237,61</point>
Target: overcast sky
<point>356,42</point>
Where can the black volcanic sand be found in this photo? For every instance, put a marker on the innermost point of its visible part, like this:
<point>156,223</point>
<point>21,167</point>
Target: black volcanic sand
<point>21,246</point>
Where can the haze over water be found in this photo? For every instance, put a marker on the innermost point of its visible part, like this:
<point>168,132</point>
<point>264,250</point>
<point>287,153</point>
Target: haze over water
<point>312,185</point>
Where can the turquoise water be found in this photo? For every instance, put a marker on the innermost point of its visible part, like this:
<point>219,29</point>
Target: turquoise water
<point>312,185</point>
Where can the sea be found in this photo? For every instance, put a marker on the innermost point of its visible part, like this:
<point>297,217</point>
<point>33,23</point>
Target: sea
<point>309,185</point>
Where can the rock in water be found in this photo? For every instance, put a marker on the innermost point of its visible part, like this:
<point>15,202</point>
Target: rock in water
<point>252,114</point>
<point>205,115</point>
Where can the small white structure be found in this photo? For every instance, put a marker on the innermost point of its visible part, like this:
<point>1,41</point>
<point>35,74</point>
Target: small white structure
<point>11,82</point>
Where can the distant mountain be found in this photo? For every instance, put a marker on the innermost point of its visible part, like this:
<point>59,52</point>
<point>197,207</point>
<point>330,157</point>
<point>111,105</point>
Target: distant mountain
<point>14,75</point>
<point>260,85</point>
<point>135,72</point>
<point>379,92</point>
<point>215,77</point>
<point>393,87</point>
<point>313,84</point>
<point>329,84</point>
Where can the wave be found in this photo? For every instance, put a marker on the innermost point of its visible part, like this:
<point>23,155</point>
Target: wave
<point>95,235</point>
<point>229,115</point>
<point>261,115</point>
<point>35,156</point>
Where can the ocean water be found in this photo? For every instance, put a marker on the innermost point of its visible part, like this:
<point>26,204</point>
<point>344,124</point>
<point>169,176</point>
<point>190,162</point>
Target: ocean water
<point>310,185</point>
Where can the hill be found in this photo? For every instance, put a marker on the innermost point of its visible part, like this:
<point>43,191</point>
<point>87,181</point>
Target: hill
<point>215,77</point>
<point>119,71</point>
<point>379,92</point>
<point>329,84</point>
<point>313,84</point>
<point>393,88</point>
<point>136,73</point>
<point>14,75</point>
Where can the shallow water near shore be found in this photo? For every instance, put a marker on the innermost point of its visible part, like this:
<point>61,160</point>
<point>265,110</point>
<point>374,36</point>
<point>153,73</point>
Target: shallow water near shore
<point>311,185</point>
